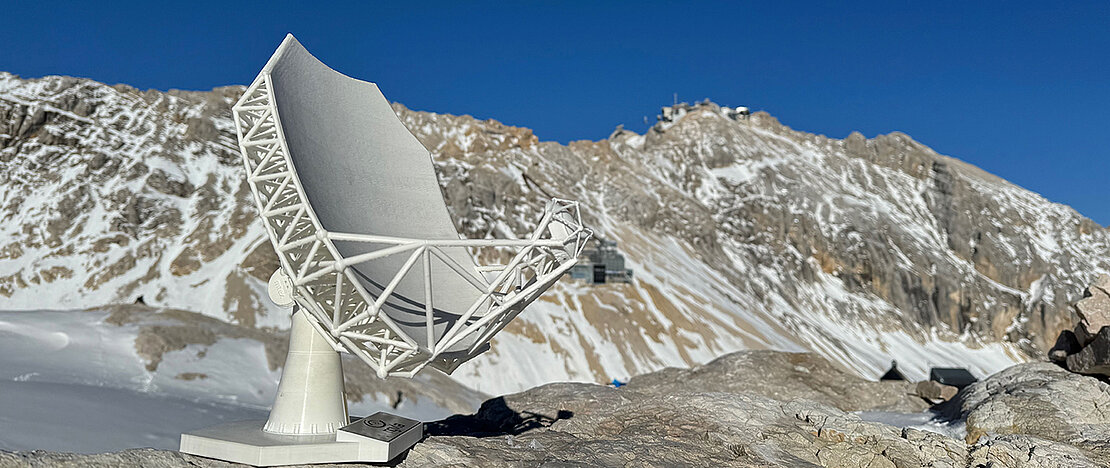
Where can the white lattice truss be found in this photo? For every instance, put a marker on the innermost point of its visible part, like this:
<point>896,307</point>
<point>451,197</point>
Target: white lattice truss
<point>327,287</point>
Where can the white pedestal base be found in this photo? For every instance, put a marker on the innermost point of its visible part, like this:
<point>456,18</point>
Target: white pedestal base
<point>375,439</point>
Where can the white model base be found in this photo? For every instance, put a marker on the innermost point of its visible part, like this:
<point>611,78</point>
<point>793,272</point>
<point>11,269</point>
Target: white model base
<point>375,439</point>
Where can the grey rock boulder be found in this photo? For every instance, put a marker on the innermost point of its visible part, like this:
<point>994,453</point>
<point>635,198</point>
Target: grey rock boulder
<point>1093,359</point>
<point>1042,401</point>
<point>1018,451</point>
<point>1094,308</point>
<point>935,391</point>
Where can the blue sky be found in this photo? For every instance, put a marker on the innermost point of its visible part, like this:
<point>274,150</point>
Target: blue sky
<point>1021,89</point>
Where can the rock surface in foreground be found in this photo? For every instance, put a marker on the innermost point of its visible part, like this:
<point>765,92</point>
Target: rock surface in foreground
<point>1039,404</point>
<point>783,376</point>
<point>732,412</point>
<point>589,425</point>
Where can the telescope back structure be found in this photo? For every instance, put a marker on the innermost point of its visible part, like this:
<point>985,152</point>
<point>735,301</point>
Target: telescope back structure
<point>350,201</point>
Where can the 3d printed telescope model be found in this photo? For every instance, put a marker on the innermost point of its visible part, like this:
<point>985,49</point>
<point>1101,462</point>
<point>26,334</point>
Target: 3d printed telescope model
<point>370,260</point>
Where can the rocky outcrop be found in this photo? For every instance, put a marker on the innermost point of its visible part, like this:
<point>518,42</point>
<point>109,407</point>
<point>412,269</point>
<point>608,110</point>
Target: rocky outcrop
<point>1094,358</point>
<point>1094,308</point>
<point>784,377</point>
<point>1087,349</point>
<point>1029,416</point>
<point>1012,451</point>
<point>125,458</point>
<point>589,425</point>
<point>1038,404</point>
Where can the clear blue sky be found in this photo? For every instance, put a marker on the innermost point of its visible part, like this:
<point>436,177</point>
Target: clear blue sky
<point>1021,89</point>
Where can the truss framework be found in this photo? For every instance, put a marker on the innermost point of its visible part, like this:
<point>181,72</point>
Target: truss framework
<point>350,318</point>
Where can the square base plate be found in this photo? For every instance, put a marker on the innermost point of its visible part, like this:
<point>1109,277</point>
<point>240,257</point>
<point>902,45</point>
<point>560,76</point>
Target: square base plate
<point>376,439</point>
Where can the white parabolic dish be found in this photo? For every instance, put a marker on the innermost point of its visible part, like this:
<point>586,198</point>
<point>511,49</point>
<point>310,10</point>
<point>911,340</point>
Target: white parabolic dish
<point>351,203</point>
<point>371,259</point>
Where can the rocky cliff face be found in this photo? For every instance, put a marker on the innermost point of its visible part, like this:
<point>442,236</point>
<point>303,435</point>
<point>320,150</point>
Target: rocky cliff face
<point>743,234</point>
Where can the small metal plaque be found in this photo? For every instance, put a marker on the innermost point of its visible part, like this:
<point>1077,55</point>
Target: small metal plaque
<point>381,426</point>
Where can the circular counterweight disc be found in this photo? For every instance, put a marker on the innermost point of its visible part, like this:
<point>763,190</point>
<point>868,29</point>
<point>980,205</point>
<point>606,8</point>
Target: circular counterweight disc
<point>280,289</point>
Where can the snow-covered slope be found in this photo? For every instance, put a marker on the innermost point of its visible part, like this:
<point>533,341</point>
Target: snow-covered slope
<point>132,376</point>
<point>73,381</point>
<point>742,234</point>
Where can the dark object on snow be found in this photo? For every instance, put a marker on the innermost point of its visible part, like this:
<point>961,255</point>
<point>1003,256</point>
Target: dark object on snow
<point>955,376</point>
<point>893,373</point>
<point>140,301</point>
<point>1093,358</point>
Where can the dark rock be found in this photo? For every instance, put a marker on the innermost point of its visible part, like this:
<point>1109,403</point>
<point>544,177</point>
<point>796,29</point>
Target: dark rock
<point>32,123</point>
<point>161,181</point>
<point>1066,344</point>
<point>98,161</point>
<point>1093,358</point>
<point>1082,335</point>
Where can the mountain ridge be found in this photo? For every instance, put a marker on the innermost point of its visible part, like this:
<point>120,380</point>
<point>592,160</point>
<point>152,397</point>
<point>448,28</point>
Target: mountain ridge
<point>743,233</point>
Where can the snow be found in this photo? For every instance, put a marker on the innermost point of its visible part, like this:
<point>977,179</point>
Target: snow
<point>926,421</point>
<point>70,347</point>
<point>70,381</point>
<point>91,419</point>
